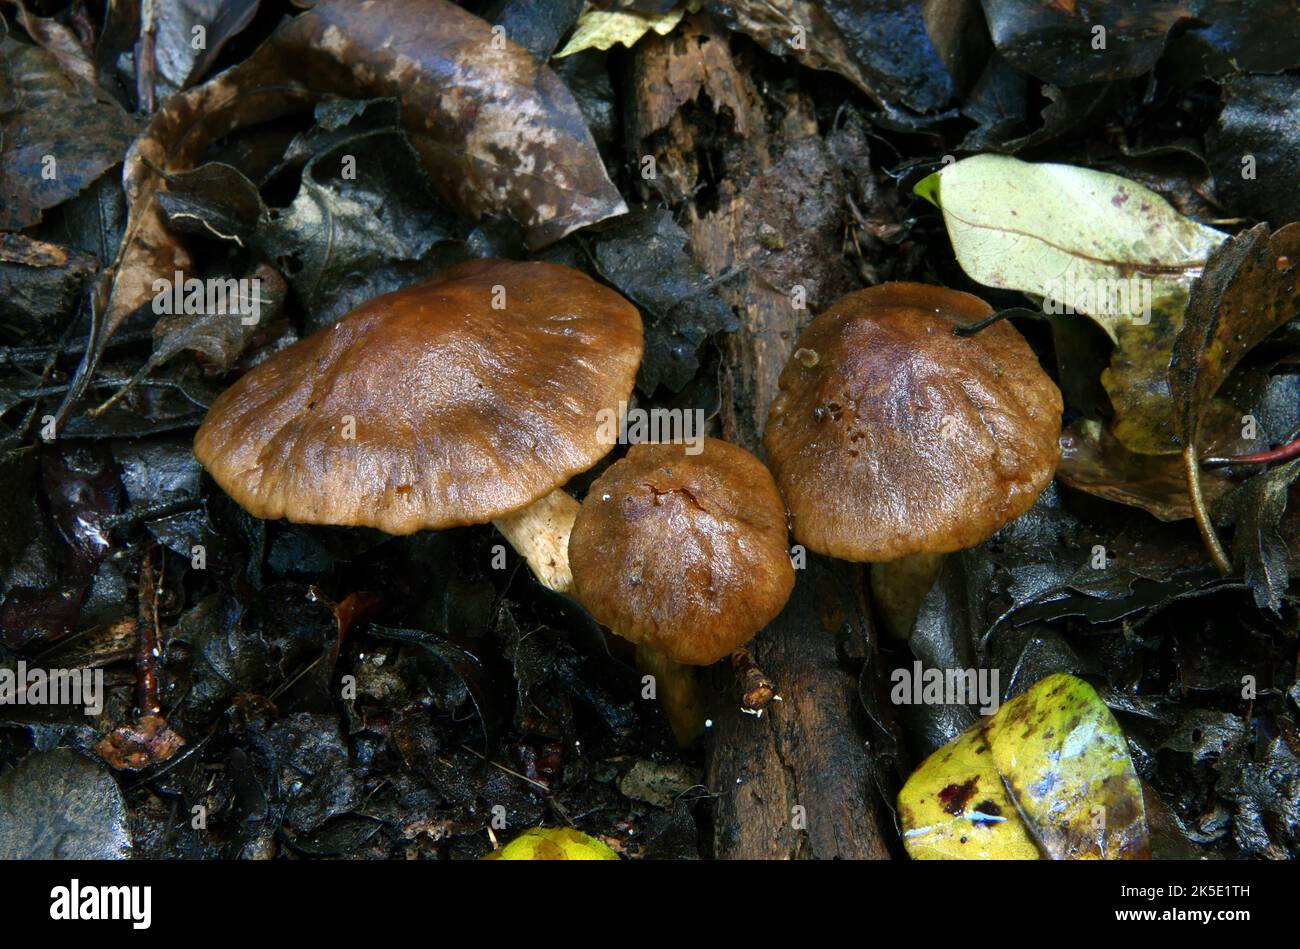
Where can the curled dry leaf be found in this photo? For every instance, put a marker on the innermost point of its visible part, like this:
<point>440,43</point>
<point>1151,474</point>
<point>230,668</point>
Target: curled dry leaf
<point>497,132</point>
<point>1251,286</point>
<point>1048,775</point>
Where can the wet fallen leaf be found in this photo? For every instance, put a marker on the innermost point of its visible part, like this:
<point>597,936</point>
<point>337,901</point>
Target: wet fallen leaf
<point>60,805</point>
<point>553,843</point>
<point>1251,286</point>
<point>882,47</point>
<point>1048,776</point>
<point>1248,290</point>
<point>1254,149</point>
<point>57,39</point>
<point>1087,239</point>
<point>646,256</point>
<point>39,282</point>
<point>1069,45</point>
<point>1095,461</point>
<point>60,135</point>
<point>1259,543</point>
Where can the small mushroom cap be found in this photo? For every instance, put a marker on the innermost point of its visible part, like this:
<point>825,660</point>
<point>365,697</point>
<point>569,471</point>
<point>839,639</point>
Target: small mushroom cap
<point>459,412</point>
<point>683,553</point>
<point>892,436</point>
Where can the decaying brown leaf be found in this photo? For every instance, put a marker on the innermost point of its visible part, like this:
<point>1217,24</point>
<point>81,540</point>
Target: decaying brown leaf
<point>496,130</point>
<point>57,135</point>
<point>1249,289</point>
<point>1251,286</point>
<point>1095,461</point>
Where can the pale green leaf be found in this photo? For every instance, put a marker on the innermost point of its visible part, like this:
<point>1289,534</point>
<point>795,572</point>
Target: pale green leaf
<point>1097,242</point>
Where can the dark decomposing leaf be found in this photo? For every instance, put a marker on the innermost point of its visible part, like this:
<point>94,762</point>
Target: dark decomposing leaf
<point>214,201</point>
<point>1069,45</point>
<point>60,805</point>
<point>468,667</point>
<point>219,334</point>
<point>57,135</point>
<point>883,48</point>
<point>57,39</point>
<point>1094,460</point>
<point>1259,545</point>
<point>646,257</point>
<point>39,283</point>
<point>190,34</point>
<point>364,203</point>
<point>1254,148</point>
<point>496,131</point>
<point>536,25</point>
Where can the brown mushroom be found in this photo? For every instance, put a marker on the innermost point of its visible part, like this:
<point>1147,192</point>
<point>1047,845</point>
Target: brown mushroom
<point>684,555</point>
<point>472,397</point>
<point>896,440</point>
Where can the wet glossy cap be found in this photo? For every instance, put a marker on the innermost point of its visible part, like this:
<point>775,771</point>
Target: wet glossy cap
<point>892,436</point>
<point>683,553</point>
<point>452,402</point>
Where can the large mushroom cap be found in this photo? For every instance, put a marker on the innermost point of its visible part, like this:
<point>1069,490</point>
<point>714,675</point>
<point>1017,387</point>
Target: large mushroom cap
<point>892,436</point>
<point>683,553</point>
<point>460,412</point>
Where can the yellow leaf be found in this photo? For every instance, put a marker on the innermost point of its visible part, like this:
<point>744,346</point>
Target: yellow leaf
<point>1047,776</point>
<point>553,843</point>
<point>601,29</point>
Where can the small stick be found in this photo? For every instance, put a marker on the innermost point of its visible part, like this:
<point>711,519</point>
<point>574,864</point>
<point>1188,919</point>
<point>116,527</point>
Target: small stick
<point>757,691</point>
<point>1212,543</point>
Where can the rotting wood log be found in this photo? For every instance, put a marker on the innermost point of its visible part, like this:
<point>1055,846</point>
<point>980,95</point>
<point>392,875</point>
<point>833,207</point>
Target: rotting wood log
<point>794,783</point>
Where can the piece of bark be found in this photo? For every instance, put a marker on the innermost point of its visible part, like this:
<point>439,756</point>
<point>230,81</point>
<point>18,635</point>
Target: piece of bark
<point>796,782</point>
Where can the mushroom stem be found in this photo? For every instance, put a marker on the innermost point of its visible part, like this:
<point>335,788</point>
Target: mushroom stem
<point>678,691</point>
<point>898,588</point>
<point>540,534</point>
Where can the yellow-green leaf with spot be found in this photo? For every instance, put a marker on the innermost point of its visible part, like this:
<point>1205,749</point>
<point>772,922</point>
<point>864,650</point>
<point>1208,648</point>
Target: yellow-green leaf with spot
<point>1047,776</point>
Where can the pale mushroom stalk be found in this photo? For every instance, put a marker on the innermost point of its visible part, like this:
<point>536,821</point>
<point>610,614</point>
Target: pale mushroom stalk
<point>677,687</point>
<point>540,534</point>
<point>899,587</point>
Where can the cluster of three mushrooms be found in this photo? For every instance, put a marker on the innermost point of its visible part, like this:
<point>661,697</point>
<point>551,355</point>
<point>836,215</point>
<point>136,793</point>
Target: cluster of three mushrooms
<point>473,398</point>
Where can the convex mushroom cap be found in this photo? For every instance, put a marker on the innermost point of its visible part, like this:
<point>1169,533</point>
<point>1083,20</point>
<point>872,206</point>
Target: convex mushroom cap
<point>453,402</point>
<point>684,554</point>
<point>893,436</point>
